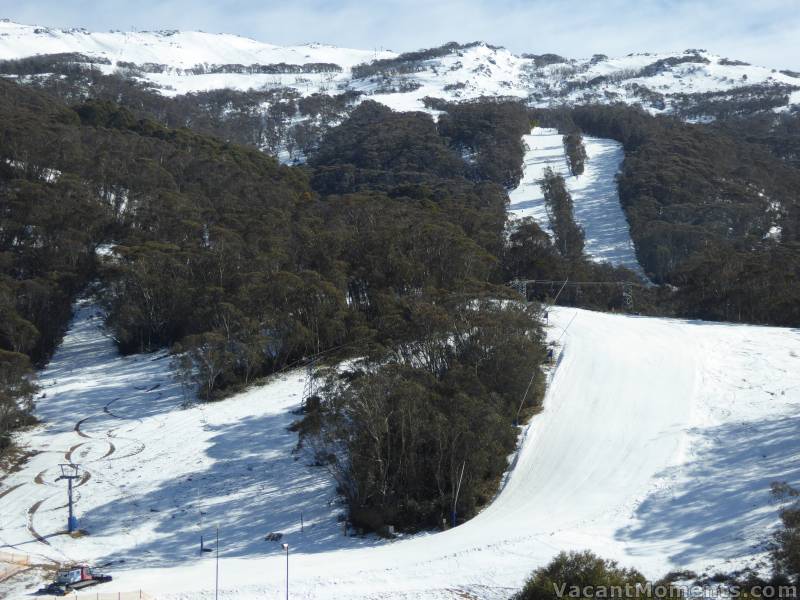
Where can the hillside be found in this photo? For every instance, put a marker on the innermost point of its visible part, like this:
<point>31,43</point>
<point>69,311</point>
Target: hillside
<point>597,205</point>
<point>429,318</point>
<point>647,465</point>
<point>177,62</point>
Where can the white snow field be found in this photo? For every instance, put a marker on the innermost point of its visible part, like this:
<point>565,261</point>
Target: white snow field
<point>657,445</point>
<point>594,193</point>
<point>155,476</point>
<point>465,73</point>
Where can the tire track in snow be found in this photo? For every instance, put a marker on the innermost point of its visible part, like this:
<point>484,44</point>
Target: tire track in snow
<point>68,456</point>
<point>110,433</point>
<point>31,512</point>
<point>11,489</point>
<point>39,479</point>
<point>68,453</point>
<point>78,427</point>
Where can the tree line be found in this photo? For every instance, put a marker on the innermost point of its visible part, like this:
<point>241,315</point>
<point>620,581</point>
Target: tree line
<point>387,246</point>
<point>273,120</point>
<point>713,209</point>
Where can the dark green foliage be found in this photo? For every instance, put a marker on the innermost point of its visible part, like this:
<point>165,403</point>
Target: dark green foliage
<point>581,569</point>
<point>226,254</point>
<point>408,62</point>
<point>778,133</point>
<point>542,60</point>
<point>575,151</point>
<point>530,254</point>
<point>51,221</point>
<point>702,204</point>
<point>744,100</point>
<point>568,235</point>
<point>401,156</point>
<point>442,396</point>
<point>435,388</point>
<point>66,63</point>
<point>236,116</point>
<point>199,226</point>
<point>664,64</point>
<point>16,395</point>
<point>378,139</point>
<point>491,132</point>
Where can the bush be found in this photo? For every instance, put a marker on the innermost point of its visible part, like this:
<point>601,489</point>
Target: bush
<point>786,553</point>
<point>579,569</point>
<point>432,414</point>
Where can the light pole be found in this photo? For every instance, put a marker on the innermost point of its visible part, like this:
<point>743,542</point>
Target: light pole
<point>216,579</point>
<point>286,547</point>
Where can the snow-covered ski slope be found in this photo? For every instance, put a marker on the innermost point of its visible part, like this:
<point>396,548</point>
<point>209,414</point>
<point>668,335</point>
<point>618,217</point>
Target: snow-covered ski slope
<point>594,193</point>
<point>657,445</point>
<point>156,475</point>
<point>470,71</point>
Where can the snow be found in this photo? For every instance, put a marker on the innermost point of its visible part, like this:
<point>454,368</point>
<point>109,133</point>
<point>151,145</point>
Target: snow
<point>594,193</point>
<point>657,445</point>
<point>175,48</point>
<point>466,73</point>
<point>794,98</point>
<point>159,474</point>
<point>774,233</point>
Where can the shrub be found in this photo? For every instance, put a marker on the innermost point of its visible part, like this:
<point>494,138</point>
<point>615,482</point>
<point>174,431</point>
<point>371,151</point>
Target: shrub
<point>579,569</point>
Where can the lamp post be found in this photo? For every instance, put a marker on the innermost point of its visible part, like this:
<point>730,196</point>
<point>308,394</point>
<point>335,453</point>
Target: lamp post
<point>286,547</point>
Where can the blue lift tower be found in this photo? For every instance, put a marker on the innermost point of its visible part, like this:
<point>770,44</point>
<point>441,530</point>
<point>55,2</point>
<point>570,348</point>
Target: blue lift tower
<point>70,473</point>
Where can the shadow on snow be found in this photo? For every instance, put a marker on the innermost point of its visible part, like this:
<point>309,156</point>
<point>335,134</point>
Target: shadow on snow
<point>255,486</point>
<point>723,495</point>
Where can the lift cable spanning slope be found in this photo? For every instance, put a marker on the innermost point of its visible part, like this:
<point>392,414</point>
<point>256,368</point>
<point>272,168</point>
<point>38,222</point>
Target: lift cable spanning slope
<point>521,286</point>
<point>516,282</point>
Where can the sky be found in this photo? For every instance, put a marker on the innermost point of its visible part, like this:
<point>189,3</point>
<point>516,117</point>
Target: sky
<point>765,32</point>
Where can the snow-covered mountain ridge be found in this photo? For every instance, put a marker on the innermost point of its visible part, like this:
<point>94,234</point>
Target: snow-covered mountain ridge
<point>189,61</point>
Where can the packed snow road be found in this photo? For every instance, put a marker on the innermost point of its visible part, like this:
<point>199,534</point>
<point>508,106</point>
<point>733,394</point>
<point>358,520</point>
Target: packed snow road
<point>657,446</point>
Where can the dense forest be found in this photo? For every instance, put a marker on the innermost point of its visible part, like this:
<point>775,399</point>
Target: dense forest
<point>387,246</point>
<point>390,244</point>
<point>568,236</point>
<point>234,116</point>
<point>711,211</point>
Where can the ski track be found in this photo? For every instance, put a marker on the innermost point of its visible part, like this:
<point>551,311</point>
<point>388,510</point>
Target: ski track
<point>594,193</point>
<point>657,445</point>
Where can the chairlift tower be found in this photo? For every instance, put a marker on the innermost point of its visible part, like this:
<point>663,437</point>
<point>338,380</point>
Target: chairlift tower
<point>308,389</point>
<point>627,296</point>
<point>70,473</point>
<point>521,287</point>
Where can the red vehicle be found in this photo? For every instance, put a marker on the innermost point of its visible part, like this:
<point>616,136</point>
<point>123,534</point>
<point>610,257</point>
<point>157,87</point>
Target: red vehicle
<point>75,578</point>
